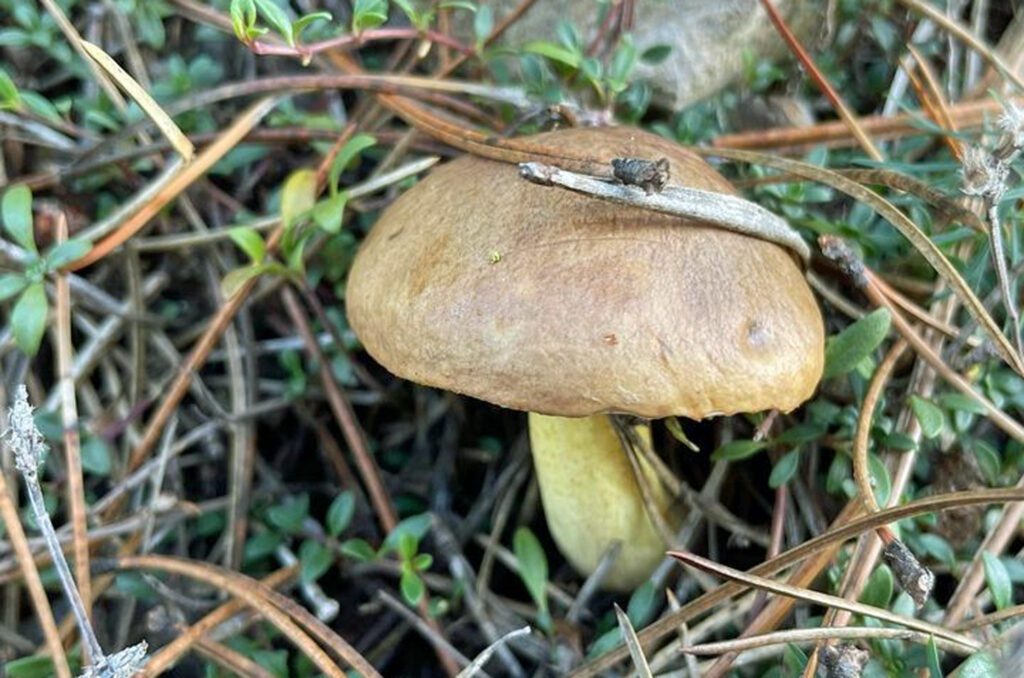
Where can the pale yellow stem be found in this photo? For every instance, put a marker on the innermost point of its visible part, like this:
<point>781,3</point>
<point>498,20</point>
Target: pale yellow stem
<point>592,499</point>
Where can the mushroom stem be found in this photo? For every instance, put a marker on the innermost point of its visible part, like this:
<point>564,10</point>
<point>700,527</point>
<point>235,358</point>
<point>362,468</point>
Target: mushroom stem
<point>592,498</point>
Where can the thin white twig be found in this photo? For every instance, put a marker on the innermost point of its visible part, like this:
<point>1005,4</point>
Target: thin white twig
<point>966,643</point>
<point>800,636</point>
<point>478,663</point>
<point>324,607</point>
<point>29,450</point>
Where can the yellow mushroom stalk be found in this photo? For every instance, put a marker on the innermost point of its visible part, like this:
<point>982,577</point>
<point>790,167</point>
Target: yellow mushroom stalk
<point>592,498</point>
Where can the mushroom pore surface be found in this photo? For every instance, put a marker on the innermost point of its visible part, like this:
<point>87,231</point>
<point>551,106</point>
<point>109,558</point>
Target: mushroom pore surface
<point>538,298</point>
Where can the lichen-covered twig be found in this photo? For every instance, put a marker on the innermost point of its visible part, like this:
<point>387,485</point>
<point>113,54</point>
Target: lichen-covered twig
<point>985,176</point>
<point>29,450</point>
<point>727,211</point>
<point>916,579</point>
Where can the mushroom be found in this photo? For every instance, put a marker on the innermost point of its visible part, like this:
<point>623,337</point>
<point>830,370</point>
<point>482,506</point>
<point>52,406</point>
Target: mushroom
<point>573,308</point>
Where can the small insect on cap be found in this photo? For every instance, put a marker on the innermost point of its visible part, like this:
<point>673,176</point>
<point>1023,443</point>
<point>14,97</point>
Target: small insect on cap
<point>539,298</point>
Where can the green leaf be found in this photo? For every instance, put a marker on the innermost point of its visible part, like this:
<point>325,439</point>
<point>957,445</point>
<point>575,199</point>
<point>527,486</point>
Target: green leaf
<point>314,560</point>
<point>622,64</point>
<point>937,547</point>
<point>33,666</point>
<point>998,581</point>
<point>408,544</point>
<point>278,18</point>
<point>882,484</point>
<point>274,661</point>
<point>358,550</point>
<point>642,604</point>
<point>261,545</point>
<point>845,350</point>
<point>838,473</point>
<point>554,52</point>
<point>368,14</point>
<point>289,514</point>
<point>16,210</point>
<point>96,456</point>
<point>255,32</point>
<point>438,608</point>
<point>417,526</point>
<point>151,25</point>
<point>533,565</point>
<point>458,4</point>
<point>988,461</point>
<point>928,414</point>
<point>349,152</point>
<point>934,663</point>
<point>979,665</point>
<point>794,658</point>
<point>134,585</point>
<point>210,524</point>
<point>784,469</point>
<point>801,434</point>
<point>298,195</point>
<point>303,22</point>
<point>407,9</point>
<point>483,24</point>
<point>592,69</point>
<point>422,562</point>
<point>738,449</point>
<point>961,402</point>
<point>606,642</point>
<point>243,17</point>
<point>329,213</point>
<point>295,252</point>
<point>567,34</point>
<point>11,284</point>
<point>28,319</point>
<point>676,429</point>
<point>250,242</point>
<point>66,252</point>
<point>9,97</point>
<point>655,54</point>
<point>13,37</point>
<point>235,279</point>
<point>339,515</point>
<point>900,441</point>
<point>41,106</point>
<point>878,591</point>
<point>412,587</point>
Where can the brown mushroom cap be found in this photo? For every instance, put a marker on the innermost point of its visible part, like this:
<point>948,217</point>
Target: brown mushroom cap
<point>538,298</point>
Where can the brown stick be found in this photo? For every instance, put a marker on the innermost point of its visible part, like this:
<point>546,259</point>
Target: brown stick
<point>345,416</point>
<point>165,658</point>
<point>72,446</point>
<point>848,117</point>
<point>282,611</point>
<point>963,115</point>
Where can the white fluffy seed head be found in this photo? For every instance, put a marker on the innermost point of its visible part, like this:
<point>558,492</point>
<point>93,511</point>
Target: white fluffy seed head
<point>982,174</point>
<point>1011,122</point>
<point>22,435</point>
